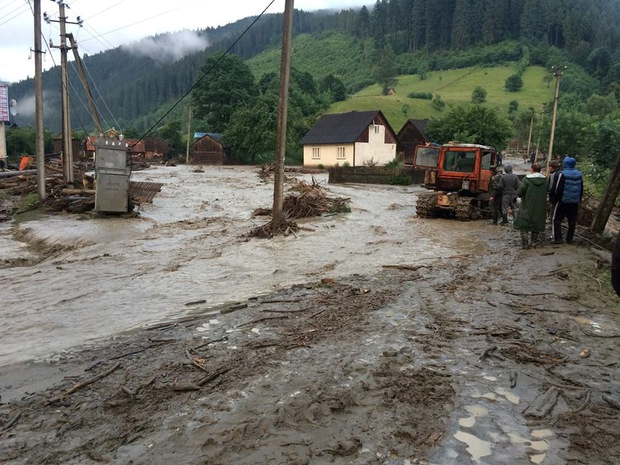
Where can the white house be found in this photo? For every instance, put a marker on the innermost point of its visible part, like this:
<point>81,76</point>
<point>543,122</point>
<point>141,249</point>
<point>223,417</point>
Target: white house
<point>356,138</point>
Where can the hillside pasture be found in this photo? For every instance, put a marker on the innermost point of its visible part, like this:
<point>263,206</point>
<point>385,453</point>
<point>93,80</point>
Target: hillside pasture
<point>455,87</point>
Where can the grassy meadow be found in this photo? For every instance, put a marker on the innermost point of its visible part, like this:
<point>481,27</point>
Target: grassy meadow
<point>455,87</point>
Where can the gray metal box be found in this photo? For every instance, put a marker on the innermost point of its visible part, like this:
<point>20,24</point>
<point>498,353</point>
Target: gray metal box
<point>111,176</point>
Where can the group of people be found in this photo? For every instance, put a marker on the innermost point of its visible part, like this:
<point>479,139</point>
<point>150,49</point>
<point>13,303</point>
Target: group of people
<point>563,189</point>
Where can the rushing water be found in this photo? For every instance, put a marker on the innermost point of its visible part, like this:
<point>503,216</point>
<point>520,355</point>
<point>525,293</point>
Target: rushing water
<point>114,274</point>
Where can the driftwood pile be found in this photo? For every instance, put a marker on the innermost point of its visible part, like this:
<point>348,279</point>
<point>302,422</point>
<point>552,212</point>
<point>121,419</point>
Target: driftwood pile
<point>304,201</point>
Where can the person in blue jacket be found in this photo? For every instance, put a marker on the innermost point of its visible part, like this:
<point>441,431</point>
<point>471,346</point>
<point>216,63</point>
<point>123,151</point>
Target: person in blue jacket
<point>567,188</point>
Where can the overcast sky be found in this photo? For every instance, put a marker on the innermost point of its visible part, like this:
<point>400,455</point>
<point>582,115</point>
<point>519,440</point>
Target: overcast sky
<point>112,23</point>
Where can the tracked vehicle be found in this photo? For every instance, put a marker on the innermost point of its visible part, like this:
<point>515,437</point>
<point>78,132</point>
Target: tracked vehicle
<point>458,176</point>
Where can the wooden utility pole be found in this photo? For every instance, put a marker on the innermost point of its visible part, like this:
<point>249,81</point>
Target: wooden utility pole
<point>285,70</point>
<point>607,202</point>
<point>557,72</point>
<point>189,125</point>
<point>529,138</point>
<point>38,102</point>
<point>67,154</point>
<point>89,94</point>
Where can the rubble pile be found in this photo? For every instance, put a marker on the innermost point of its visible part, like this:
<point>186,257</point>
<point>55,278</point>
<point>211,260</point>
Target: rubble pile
<point>306,200</point>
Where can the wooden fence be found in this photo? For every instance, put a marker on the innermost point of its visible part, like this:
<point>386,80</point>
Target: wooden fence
<point>370,175</point>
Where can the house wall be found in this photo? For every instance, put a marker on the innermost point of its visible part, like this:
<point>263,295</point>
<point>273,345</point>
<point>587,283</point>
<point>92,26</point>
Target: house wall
<point>207,151</point>
<point>329,155</point>
<point>376,150</point>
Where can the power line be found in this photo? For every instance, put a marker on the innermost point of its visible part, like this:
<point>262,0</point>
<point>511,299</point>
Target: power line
<point>17,12</point>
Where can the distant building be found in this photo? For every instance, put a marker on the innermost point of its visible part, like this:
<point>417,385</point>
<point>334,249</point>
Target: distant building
<point>411,134</point>
<point>209,149</point>
<point>356,138</point>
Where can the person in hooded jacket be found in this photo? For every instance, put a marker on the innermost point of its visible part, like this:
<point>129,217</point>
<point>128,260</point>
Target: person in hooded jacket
<point>532,216</point>
<point>508,185</point>
<point>567,188</point>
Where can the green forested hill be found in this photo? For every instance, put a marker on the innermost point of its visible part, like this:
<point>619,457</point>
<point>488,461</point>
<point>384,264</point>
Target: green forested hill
<point>443,47</point>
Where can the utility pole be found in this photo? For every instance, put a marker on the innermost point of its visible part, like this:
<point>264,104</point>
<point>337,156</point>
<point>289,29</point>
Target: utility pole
<point>67,138</point>
<point>82,74</point>
<point>609,199</point>
<point>285,71</point>
<point>38,102</point>
<point>189,125</point>
<point>557,72</point>
<point>529,138</point>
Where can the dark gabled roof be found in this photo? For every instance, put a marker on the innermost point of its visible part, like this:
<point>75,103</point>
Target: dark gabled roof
<point>419,124</point>
<point>341,128</point>
<point>213,135</point>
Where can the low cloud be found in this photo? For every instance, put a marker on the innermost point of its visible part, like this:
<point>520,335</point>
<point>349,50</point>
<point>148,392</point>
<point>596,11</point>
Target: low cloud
<point>25,106</point>
<point>167,48</point>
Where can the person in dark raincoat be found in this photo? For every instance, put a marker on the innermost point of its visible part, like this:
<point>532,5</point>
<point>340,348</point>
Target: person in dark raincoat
<point>508,184</point>
<point>533,210</point>
<point>495,193</point>
<point>615,266</point>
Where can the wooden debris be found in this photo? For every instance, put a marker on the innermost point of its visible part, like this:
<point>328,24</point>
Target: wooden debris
<point>543,404</point>
<point>233,307</point>
<point>406,267</point>
<point>79,386</point>
<point>12,422</point>
<point>258,320</point>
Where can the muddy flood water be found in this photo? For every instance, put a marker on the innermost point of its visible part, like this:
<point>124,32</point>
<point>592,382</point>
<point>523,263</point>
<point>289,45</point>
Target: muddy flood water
<point>116,274</point>
<point>369,338</point>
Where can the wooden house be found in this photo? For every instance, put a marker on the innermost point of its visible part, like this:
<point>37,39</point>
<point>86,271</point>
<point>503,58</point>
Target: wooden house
<point>356,138</point>
<point>155,148</point>
<point>77,147</point>
<point>411,134</point>
<point>209,149</point>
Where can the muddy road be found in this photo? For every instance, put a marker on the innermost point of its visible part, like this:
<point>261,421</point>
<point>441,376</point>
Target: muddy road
<point>369,338</point>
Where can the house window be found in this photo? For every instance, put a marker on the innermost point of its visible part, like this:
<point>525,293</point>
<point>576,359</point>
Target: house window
<point>316,153</point>
<point>341,155</point>
<point>377,129</point>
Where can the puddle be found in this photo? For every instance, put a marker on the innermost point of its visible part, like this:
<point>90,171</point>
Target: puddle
<point>476,447</point>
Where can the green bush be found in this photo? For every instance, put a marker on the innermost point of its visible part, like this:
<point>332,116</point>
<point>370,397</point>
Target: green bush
<point>401,180</point>
<point>438,103</point>
<point>421,95</point>
<point>514,83</point>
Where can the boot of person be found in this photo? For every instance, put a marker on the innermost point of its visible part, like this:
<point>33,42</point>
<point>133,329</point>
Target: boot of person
<point>525,240</point>
<point>504,219</point>
<point>535,237</point>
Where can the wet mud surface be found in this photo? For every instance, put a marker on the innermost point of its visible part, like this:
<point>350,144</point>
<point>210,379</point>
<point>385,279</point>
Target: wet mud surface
<point>481,352</point>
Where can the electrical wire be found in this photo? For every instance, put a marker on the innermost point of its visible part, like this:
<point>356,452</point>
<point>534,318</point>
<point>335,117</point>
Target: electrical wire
<point>206,73</point>
<point>17,12</point>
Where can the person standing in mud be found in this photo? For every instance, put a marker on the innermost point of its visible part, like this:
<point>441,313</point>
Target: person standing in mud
<point>615,266</point>
<point>532,216</point>
<point>495,193</point>
<point>568,189</point>
<point>508,184</point>
<point>552,181</point>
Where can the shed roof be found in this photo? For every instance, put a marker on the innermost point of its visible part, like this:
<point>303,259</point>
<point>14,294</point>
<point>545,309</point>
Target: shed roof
<point>340,128</point>
<point>213,135</point>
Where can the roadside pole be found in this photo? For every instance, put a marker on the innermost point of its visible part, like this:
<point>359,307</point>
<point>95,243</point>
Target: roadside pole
<point>285,69</point>
<point>38,102</point>
<point>610,195</point>
<point>529,138</point>
<point>557,72</point>
<point>189,125</point>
